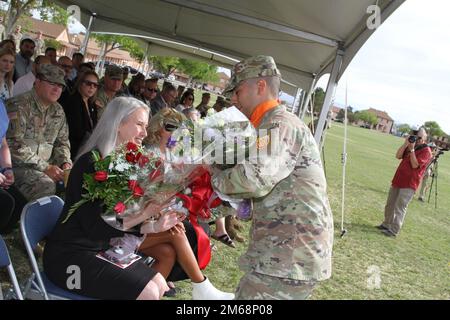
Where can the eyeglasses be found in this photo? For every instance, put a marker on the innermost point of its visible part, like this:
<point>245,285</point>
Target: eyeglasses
<point>170,127</point>
<point>54,84</point>
<point>91,84</point>
<point>151,90</point>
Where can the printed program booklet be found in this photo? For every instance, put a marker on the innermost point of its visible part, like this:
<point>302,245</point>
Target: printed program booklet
<point>118,257</point>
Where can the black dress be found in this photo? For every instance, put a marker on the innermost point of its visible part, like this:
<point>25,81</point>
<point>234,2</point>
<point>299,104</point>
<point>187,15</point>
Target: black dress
<point>81,119</point>
<point>80,238</point>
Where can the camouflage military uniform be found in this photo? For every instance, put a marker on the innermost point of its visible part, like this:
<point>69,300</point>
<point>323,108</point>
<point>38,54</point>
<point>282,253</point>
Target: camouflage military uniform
<point>291,237</point>
<point>37,136</point>
<point>101,102</point>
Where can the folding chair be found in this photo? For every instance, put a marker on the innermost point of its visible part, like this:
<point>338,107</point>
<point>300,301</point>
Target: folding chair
<point>5,262</point>
<point>37,221</point>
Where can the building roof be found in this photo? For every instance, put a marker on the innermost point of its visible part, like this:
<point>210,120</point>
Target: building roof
<point>380,114</point>
<point>335,109</point>
<point>49,30</point>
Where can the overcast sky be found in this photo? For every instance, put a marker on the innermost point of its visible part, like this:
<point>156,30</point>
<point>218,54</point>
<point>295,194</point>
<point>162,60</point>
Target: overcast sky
<point>404,68</point>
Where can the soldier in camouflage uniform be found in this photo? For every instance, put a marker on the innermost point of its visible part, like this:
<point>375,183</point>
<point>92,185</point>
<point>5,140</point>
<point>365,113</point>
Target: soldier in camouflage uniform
<point>291,236</point>
<point>38,135</point>
<point>111,86</point>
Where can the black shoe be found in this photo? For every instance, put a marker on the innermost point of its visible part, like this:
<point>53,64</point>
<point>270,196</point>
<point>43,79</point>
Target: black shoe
<point>171,293</point>
<point>389,233</point>
<point>381,227</point>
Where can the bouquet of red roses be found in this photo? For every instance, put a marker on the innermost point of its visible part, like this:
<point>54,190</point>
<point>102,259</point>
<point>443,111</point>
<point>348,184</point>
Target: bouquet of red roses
<point>116,182</point>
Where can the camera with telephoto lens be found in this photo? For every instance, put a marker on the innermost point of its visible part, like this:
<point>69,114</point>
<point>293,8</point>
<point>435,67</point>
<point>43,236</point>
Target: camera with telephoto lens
<point>413,136</point>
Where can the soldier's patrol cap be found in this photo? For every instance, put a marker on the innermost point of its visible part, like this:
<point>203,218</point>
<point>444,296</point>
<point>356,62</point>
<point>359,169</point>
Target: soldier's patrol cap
<point>253,67</point>
<point>114,72</point>
<point>51,73</point>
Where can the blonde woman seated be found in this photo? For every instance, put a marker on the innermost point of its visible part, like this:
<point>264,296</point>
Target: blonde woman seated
<point>159,130</point>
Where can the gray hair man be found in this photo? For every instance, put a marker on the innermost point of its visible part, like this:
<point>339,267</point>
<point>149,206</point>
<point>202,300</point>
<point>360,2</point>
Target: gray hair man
<point>415,155</point>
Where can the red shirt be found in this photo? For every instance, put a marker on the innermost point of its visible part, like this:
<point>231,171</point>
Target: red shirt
<point>406,176</point>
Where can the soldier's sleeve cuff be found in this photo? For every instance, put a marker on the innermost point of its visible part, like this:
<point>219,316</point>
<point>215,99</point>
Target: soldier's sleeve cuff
<point>42,165</point>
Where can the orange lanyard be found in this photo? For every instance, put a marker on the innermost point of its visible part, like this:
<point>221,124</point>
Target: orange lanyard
<point>261,110</point>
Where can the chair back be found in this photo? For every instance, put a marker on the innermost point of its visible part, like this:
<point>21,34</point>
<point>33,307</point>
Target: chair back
<point>39,219</point>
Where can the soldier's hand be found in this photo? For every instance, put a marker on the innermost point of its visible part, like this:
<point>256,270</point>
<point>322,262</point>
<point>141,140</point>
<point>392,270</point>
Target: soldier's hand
<point>66,166</point>
<point>2,180</point>
<point>9,174</point>
<point>55,173</point>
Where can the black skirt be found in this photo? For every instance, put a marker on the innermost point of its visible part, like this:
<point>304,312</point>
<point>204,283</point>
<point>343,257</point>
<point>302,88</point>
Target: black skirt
<point>98,278</point>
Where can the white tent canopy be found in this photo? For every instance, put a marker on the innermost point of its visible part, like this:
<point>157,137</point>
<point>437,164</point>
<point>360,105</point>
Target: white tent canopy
<point>306,38</point>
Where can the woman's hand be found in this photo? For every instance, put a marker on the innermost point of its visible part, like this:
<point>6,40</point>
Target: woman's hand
<point>165,222</point>
<point>178,228</point>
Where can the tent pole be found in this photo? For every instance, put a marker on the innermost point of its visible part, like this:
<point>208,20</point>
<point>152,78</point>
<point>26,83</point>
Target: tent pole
<point>332,83</point>
<point>306,99</point>
<point>344,165</point>
<point>297,98</point>
<point>88,34</point>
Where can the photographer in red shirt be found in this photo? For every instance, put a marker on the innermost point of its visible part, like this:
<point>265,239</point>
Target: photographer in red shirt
<point>415,155</point>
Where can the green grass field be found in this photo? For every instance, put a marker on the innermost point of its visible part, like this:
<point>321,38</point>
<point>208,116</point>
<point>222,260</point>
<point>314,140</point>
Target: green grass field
<point>415,265</point>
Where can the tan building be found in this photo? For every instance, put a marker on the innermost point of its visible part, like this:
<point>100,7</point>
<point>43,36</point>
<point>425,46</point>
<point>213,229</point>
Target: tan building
<point>334,112</point>
<point>385,122</point>
<point>71,43</point>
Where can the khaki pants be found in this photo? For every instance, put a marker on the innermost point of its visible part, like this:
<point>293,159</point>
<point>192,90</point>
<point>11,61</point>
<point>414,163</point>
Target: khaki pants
<point>395,210</point>
<point>257,286</point>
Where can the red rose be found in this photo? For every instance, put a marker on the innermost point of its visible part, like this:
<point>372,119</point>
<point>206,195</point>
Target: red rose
<point>132,184</point>
<point>130,157</point>
<point>138,156</point>
<point>142,161</point>
<point>119,207</point>
<point>138,191</point>
<point>101,176</point>
<point>154,175</point>
<point>132,147</point>
<point>158,163</point>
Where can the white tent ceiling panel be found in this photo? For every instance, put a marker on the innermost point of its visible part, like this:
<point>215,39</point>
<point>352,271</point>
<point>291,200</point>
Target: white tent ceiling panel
<point>300,34</point>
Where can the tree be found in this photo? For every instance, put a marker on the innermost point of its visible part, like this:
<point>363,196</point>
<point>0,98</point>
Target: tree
<point>166,65</point>
<point>367,117</point>
<point>319,97</point>
<point>350,115</point>
<point>110,42</point>
<point>197,70</point>
<point>404,128</point>
<point>52,43</point>
<point>19,9</point>
<point>433,129</point>
<point>51,12</point>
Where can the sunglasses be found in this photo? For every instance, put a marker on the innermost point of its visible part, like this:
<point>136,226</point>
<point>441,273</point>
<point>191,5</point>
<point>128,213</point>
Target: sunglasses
<point>91,84</point>
<point>151,90</point>
<point>170,127</point>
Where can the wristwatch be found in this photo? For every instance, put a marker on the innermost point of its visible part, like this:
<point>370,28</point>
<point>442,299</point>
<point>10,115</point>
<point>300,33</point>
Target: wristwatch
<point>412,150</point>
<point>3,170</point>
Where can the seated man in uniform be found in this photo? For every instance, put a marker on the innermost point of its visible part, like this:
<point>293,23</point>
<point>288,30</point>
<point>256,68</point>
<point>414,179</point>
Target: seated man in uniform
<point>38,135</point>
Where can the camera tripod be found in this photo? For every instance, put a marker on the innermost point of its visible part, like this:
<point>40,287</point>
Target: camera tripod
<point>434,181</point>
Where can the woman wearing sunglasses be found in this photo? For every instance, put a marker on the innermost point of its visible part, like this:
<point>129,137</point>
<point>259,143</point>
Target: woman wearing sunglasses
<point>184,243</point>
<point>81,113</point>
<point>186,101</point>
